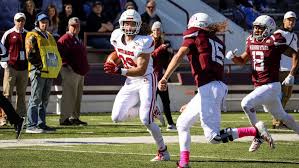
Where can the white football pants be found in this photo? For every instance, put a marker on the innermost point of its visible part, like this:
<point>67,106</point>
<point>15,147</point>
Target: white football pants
<point>206,105</point>
<point>268,96</point>
<point>138,96</point>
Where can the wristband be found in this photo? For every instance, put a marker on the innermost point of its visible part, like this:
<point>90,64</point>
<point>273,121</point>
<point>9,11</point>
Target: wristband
<point>124,71</point>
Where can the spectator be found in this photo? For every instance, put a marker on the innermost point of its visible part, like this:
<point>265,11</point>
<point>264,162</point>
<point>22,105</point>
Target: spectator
<point>57,3</point>
<point>78,8</point>
<point>161,57</point>
<point>30,12</point>
<point>64,17</point>
<point>128,5</point>
<point>287,31</point>
<point>44,65</point>
<point>8,109</point>
<point>75,66</point>
<point>97,23</point>
<point>15,63</point>
<point>149,16</point>
<point>54,21</point>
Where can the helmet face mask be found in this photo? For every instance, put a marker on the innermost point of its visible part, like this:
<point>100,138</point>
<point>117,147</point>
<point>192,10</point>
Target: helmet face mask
<point>130,22</point>
<point>266,23</point>
<point>199,20</point>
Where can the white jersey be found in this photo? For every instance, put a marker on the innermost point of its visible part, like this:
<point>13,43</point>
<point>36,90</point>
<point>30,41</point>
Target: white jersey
<point>291,40</point>
<point>128,53</point>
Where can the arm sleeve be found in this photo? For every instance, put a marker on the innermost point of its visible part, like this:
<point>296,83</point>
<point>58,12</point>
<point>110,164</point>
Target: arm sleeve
<point>32,51</point>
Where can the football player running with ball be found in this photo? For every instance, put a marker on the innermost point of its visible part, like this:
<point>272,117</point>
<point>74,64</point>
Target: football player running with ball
<point>205,53</point>
<point>138,94</point>
<point>264,49</point>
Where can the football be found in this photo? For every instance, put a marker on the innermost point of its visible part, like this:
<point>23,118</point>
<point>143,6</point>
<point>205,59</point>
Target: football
<point>113,57</point>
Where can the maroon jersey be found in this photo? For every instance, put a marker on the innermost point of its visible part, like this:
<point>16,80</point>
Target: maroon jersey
<point>265,58</point>
<point>206,55</point>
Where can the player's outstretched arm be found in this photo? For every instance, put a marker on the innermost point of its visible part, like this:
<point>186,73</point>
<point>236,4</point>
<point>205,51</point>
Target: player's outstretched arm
<point>174,63</point>
<point>237,59</point>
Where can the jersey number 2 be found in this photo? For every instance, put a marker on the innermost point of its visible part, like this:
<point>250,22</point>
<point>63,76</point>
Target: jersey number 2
<point>217,54</point>
<point>258,60</point>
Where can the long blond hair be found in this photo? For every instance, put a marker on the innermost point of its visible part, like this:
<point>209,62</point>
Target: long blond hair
<point>219,27</point>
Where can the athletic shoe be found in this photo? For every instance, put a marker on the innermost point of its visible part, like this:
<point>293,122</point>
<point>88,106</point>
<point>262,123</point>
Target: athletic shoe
<point>19,127</point>
<point>158,114</point>
<point>78,122</point>
<point>171,128</point>
<point>35,130</point>
<point>184,166</point>
<point>66,122</point>
<point>265,135</point>
<point>47,129</point>
<point>256,143</point>
<point>162,155</point>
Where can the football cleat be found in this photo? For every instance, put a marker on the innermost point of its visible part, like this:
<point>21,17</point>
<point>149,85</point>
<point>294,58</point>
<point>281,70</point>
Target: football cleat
<point>256,143</point>
<point>162,155</point>
<point>184,166</point>
<point>265,135</point>
<point>171,128</point>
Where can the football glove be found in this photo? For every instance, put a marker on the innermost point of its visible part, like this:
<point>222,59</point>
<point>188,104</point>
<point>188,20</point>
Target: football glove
<point>231,54</point>
<point>289,80</point>
<point>111,68</point>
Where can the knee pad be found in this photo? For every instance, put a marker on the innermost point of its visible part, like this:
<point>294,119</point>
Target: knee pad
<point>224,137</point>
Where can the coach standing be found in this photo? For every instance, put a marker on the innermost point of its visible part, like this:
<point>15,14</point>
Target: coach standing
<point>15,63</point>
<point>75,66</point>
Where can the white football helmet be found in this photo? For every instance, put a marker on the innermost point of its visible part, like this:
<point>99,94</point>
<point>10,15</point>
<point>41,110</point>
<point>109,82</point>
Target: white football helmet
<point>133,16</point>
<point>200,20</point>
<point>268,23</point>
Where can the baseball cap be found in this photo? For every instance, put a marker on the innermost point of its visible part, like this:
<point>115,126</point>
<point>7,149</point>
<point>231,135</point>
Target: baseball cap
<point>41,16</point>
<point>19,15</point>
<point>157,25</point>
<point>97,3</point>
<point>74,21</point>
<point>289,14</point>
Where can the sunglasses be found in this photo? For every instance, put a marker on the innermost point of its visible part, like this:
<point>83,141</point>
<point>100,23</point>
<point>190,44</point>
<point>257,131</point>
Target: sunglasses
<point>20,20</point>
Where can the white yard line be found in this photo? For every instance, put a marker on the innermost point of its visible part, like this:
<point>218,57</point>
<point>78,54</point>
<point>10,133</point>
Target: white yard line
<point>120,140</point>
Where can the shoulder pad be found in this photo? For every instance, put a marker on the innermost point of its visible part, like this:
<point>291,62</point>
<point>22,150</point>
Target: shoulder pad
<point>117,33</point>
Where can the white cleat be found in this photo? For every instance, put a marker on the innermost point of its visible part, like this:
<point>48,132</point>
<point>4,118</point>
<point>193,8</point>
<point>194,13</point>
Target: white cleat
<point>265,135</point>
<point>162,155</point>
<point>255,145</point>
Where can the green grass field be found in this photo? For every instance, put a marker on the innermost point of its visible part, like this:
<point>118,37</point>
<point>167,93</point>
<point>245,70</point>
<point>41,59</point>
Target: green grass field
<point>98,155</point>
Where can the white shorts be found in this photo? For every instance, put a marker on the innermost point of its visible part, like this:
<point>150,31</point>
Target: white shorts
<point>137,96</point>
<point>206,105</point>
